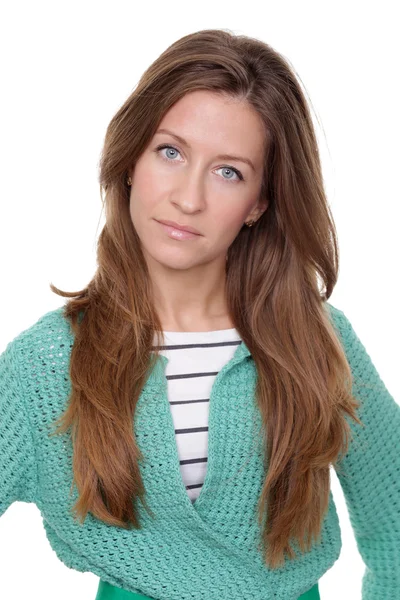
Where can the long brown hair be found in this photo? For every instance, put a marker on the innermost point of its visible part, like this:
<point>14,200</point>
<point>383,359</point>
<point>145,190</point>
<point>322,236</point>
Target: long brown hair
<point>274,273</point>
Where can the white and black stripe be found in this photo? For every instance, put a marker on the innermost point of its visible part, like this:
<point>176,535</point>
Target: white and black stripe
<point>195,359</point>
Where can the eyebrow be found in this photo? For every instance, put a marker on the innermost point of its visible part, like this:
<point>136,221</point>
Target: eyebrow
<point>220,156</point>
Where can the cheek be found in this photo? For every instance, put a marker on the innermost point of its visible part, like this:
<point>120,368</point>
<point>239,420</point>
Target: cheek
<point>147,179</point>
<point>230,216</point>
<point>145,192</point>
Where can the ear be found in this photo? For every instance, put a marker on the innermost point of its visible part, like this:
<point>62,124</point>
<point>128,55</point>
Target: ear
<point>258,210</point>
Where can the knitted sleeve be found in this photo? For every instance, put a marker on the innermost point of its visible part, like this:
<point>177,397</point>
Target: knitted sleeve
<point>17,453</point>
<point>369,473</point>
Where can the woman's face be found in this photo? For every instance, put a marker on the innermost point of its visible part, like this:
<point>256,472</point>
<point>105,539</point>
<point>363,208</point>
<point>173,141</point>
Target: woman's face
<point>193,184</point>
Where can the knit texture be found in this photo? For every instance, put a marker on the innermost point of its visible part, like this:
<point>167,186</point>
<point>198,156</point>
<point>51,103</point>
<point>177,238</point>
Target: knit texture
<point>206,550</point>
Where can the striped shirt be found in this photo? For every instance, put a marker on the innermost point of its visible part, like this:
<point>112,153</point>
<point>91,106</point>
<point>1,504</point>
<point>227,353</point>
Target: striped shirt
<point>195,358</point>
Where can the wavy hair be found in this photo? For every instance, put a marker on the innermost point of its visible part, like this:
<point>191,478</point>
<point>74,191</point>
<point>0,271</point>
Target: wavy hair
<point>279,274</point>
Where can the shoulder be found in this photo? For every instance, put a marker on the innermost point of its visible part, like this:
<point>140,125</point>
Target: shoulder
<point>338,319</point>
<point>357,355</point>
<point>51,329</point>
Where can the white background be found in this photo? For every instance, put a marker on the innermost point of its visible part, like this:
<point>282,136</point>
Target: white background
<point>67,68</point>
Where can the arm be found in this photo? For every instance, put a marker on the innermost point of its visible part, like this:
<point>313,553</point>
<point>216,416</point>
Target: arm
<point>18,475</point>
<point>370,471</point>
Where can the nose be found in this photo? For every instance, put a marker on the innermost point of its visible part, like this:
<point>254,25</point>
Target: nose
<point>190,192</point>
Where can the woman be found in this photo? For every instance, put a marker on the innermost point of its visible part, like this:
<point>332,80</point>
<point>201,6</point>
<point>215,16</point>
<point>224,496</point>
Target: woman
<point>202,370</point>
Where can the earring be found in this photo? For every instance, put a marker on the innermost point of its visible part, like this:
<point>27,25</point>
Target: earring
<point>129,180</point>
<point>250,223</point>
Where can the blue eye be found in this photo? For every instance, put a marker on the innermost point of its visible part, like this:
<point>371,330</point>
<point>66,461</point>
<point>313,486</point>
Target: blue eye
<point>165,146</point>
<point>227,168</point>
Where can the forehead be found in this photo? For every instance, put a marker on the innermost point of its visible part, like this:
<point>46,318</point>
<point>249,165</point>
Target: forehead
<point>216,123</point>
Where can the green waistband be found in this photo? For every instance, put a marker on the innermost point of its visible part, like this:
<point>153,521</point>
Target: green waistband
<point>106,591</point>
<point>312,594</point>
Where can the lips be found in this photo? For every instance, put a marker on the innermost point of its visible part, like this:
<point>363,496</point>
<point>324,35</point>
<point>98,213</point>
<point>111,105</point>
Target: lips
<point>180,227</point>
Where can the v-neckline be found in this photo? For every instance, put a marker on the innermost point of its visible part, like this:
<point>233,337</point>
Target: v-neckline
<point>240,354</point>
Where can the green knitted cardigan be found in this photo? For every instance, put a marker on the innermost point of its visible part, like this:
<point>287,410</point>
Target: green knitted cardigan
<point>207,549</point>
